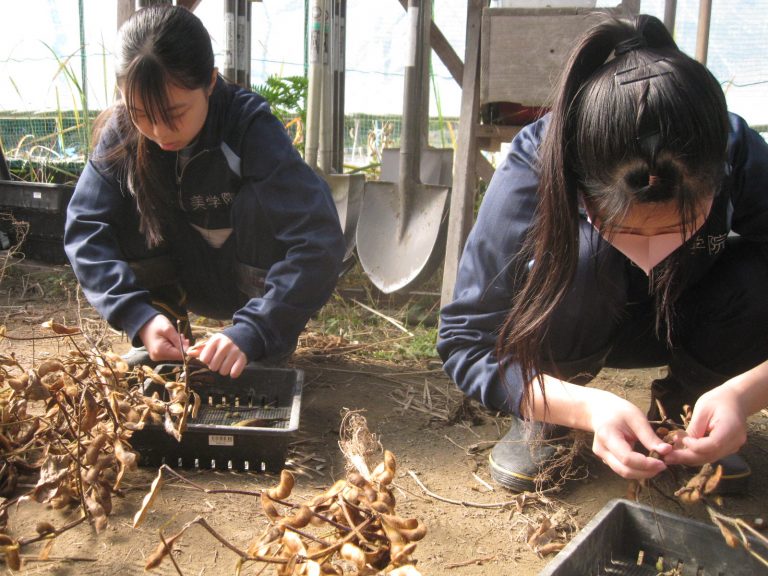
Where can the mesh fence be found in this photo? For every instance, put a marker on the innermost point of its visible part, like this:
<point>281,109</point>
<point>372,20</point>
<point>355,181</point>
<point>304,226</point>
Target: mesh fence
<point>52,147</point>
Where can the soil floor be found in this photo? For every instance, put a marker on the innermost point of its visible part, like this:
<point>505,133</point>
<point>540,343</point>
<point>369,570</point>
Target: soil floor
<point>474,527</point>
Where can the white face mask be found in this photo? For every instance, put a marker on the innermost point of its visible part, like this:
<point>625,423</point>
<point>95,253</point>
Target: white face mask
<point>648,251</point>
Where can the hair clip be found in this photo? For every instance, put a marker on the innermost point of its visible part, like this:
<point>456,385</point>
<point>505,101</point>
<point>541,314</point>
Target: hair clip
<point>630,44</point>
<point>633,68</point>
<point>641,78</point>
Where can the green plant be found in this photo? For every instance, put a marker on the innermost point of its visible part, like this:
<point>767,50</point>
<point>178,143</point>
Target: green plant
<point>79,97</point>
<point>287,96</point>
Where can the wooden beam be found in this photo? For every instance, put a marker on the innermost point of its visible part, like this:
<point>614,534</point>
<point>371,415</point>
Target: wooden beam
<point>461,216</point>
<point>443,49</point>
<point>189,4</point>
<point>124,10</point>
<point>670,13</point>
<point>702,33</point>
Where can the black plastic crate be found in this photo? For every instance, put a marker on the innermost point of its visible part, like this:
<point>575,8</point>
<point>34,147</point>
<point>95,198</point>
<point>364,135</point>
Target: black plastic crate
<point>44,207</point>
<point>35,196</point>
<point>627,538</point>
<point>270,396</point>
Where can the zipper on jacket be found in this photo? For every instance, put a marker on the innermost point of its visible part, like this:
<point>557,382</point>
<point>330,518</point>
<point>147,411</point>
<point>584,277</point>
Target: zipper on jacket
<point>180,173</point>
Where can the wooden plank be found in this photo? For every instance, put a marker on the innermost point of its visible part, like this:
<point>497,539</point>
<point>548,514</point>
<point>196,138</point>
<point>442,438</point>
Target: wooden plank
<point>702,31</point>
<point>189,4</point>
<point>461,216</point>
<point>523,52</point>
<point>124,10</point>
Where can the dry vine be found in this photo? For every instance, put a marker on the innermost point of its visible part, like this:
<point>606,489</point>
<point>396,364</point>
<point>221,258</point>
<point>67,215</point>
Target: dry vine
<point>702,488</point>
<point>69,421</point>
<point>350,529</point>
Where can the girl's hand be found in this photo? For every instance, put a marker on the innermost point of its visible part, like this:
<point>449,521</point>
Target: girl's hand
<point>221,355</point>
<point>162,340</point>
<point>618,425</point>
<point>718,428</point>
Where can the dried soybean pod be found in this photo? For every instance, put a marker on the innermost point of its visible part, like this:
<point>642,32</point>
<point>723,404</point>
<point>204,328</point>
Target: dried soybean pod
<point>12,558</point>
<point>49,365</point>
<point>410,528</point>
<point>353,554</point>
<point>92,453</point>
<point>293,544</point>
<point>271,535</point>
<point>311,568</point>
<point>386,496</point>
<point>162,550</point>
<point>329,494</point>
<point>357,479</point>
<point>282,490</point>
<point>385,472</point>
<point>381,507</point>
<point>407,570</point>
<point>299,519</point>
<point>370,493</point>
<point>269,508</point>
<point>415,534</point>
<point>711,484</point>
<point>401,554</point>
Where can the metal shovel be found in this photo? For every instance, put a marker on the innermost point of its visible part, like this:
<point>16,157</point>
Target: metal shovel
<point>346,189</point>
<point>436,165</point>
<point>401,231</point>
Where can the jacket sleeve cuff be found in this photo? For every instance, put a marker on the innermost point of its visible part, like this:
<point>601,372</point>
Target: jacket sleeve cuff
<point>508,394</point>
<point>135,320</point>
<point>250,343</point>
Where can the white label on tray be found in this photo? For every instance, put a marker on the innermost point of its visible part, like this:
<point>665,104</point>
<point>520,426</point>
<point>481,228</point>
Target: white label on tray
<point>221,440</point>
<point>37,195</point>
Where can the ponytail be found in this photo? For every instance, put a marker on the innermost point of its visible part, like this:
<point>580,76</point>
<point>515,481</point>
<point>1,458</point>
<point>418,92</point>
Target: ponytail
<point>628,100</point>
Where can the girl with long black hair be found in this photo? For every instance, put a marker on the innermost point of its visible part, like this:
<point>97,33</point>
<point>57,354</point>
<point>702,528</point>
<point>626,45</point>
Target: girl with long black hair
<point>626,228</point>
<point>195,198</point>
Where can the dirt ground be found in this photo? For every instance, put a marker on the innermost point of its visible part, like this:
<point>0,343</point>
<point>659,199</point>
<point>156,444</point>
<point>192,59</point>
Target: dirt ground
<point>474,527</point>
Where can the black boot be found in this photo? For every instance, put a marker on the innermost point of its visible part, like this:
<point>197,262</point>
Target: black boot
<point>523,453</point>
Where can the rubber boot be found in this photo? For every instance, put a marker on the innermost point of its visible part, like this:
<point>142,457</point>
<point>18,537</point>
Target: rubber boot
<point>527,449</point>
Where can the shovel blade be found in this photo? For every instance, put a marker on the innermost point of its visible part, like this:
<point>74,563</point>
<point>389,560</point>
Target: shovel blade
<point>436,166</point>
<point>347,191</point>
<point>398,251</point>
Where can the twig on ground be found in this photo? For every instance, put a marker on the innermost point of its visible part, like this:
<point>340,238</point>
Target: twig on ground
<point>389,319</point>
<point>478,560</point>
<point>427,491</point>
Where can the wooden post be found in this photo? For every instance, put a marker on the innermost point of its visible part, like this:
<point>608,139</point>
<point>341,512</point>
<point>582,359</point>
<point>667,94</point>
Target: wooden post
<point>670,13</point>
<point>461,215</point>
<point>702,33</point>
<point>124,10</point>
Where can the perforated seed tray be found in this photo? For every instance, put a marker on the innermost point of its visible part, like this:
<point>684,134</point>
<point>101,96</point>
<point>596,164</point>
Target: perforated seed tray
<point>627,538</point>
<point>243,424</point>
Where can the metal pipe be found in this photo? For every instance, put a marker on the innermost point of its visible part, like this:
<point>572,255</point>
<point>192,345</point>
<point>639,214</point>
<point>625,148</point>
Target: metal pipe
<point>230,41</point>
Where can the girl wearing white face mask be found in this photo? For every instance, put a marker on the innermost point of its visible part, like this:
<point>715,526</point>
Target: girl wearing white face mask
<point>626,228</point>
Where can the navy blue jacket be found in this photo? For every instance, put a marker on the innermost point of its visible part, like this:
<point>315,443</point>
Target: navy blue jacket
<point>484,290</point>
<point>244,173</point>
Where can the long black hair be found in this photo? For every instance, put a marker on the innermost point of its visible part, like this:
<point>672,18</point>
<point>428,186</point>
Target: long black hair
<point>634,120</point>
<point>159,45</point>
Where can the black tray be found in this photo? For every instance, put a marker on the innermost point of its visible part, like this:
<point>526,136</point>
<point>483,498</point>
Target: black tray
<point>627,538</point>
<point>212,441</point>
<point>44,207</point>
